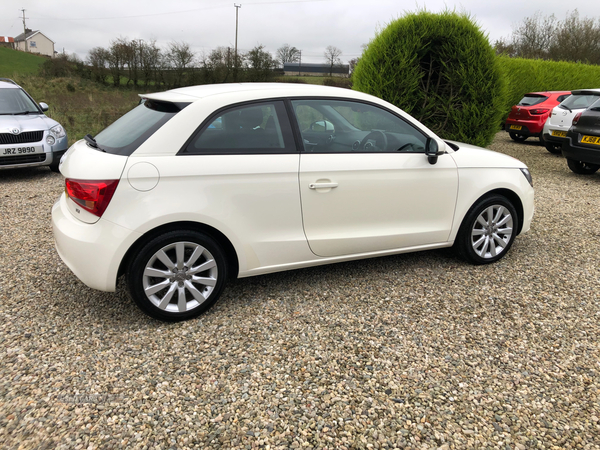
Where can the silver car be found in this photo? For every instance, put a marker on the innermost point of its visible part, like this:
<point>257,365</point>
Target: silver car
<point>27,137</point>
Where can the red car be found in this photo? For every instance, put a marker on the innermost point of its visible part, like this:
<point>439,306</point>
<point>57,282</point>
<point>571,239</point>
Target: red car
<point>527,118</point>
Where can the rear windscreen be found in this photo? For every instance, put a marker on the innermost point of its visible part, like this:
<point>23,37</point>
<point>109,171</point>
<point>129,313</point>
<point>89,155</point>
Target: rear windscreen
<point>530,100</point>
<point>130,131</point>
<point>579,101</point>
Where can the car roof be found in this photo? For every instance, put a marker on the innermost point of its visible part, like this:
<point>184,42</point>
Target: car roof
<point>548,92</point>
<point>261,90</point>
<point>586,92</point>
<point>8,84</point>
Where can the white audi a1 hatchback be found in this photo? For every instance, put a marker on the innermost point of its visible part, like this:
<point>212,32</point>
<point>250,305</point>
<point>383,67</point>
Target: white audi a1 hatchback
<point>199,184</point>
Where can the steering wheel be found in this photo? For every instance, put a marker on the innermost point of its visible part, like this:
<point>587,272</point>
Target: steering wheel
<point>376,140</point>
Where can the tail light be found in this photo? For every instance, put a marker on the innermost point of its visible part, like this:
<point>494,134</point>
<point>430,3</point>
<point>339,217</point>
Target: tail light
<point>576,118</point>
<point>539,111</point>
<point>92,195</point>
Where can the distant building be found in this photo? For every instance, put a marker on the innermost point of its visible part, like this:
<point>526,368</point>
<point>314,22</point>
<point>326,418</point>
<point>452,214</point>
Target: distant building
<point>35,42</point>
<point>6,41</point>
<point>339,70</point>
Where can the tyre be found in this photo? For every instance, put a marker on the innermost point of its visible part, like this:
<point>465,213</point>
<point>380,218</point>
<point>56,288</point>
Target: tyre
<point>488,230</point>
<point>517,137</point>
<point>582,168</point>
<point>177,275</point>
<point>54,164</point>
<point>553,147</point>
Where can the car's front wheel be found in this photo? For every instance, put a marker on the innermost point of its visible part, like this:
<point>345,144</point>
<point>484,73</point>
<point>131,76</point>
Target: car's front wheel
<point>553,147</point>
<point>517,137</point>
<point>177,275</point>
<point>582,168</point>
<point>488,230</point>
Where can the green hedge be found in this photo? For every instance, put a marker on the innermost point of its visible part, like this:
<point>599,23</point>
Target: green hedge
<point>533,75</point>
<point>441,69</point>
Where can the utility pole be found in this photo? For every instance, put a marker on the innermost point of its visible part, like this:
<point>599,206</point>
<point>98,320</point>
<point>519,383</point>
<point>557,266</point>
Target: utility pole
<point>24,28</point>
<point>300,61</point>
<point>237,8</point>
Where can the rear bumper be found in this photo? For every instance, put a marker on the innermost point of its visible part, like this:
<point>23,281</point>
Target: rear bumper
<point>580,153</point>
<point>93,252</point>
<point>528,128</point>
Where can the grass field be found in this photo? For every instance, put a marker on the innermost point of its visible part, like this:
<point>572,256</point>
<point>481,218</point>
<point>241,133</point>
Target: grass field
<point>14,62</point>
<point>81,106</point>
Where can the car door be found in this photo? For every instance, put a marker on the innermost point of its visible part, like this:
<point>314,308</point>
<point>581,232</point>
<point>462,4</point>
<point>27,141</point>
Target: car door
<point>367,186</point>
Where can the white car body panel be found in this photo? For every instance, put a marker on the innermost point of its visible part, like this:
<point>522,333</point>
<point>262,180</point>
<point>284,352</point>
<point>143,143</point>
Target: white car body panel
<point>262,203</point>
<point>393,201</point>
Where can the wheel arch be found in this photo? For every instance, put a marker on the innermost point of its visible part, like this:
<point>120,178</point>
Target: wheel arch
<point>512,197</point>
<point>222,240</point>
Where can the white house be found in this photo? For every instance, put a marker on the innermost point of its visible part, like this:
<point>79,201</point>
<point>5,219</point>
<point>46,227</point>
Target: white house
<point>35,42</point>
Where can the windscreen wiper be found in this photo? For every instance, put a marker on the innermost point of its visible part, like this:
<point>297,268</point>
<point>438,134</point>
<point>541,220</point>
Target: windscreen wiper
<point>92,142</point>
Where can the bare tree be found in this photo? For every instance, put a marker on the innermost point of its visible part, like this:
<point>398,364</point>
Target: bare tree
<point>545,37</point>
<point>116,60</point>
<point>181,58</point>
<point>332,56</point>
<point>287,54</point>
<point>97,60</point>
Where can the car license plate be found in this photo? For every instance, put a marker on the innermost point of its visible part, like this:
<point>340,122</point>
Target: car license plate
<point>24,150</point>
<point>515,127</point>
<point>559,133</point>
<point>590,140</point>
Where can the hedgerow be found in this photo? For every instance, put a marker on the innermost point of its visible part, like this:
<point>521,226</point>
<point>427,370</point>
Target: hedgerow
<point>534,75</point>
<point>441,69</point>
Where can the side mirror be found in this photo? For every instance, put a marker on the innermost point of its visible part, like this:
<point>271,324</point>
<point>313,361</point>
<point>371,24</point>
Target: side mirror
<point>432,150</point>
<point>43,106</point>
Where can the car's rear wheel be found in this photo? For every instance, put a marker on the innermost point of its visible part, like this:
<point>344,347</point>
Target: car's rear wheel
<point>177,275</point>
<point>553,147</point>
<point>581,167</point>
<point>488,230</point>
<point>517,137</point>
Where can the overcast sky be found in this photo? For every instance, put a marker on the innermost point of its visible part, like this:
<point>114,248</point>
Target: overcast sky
<point>310,25</point>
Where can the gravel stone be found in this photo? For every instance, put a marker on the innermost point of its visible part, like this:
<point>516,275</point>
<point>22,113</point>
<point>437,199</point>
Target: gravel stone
<point>415,351</point>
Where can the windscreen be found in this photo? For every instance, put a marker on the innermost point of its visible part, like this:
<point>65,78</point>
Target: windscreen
<point>15,101</point>
<point>125,135</point>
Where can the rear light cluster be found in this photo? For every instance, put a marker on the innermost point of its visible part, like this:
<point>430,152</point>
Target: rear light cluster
<point>539,111</point>
<point>92,195</point>
<point>576,118</point>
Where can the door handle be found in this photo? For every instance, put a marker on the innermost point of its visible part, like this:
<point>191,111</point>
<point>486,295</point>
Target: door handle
<point>322,185</point>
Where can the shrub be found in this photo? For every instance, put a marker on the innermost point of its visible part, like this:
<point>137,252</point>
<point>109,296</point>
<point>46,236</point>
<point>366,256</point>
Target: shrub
<point>441,69</point>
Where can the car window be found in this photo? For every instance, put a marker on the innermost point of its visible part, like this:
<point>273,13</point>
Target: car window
<point>254,128</point>
<point>130,131</point>
<point>330,126</point>
<point>16,101</point>
<point>579,101</point>
<point>562,98</point>
<point>530,100</point>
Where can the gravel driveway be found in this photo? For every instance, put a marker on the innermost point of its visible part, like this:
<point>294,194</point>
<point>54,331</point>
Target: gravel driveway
<point>413,351</point>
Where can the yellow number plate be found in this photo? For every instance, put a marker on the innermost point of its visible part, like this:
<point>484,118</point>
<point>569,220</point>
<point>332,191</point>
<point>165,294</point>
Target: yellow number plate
<point>590,140</point>
<point>515,127</point>
<point>559,133</point>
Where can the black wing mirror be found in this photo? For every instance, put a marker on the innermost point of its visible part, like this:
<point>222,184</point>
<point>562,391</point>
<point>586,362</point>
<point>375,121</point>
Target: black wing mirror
<point>432,150</point>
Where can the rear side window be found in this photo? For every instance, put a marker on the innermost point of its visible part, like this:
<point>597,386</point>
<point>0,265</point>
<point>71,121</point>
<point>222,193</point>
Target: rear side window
<point>125,135</point>
<point>251,128</point>
<point>530,100</point>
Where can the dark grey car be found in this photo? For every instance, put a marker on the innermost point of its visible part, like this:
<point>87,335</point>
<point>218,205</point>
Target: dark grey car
<point>582,146</point>
<point>27,136</point>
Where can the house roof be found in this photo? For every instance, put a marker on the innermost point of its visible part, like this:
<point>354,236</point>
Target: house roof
<point>6,39</point>
<point>29,35</point>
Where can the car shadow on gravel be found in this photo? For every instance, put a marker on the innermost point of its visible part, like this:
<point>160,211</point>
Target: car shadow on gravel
<point>26,174</point>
